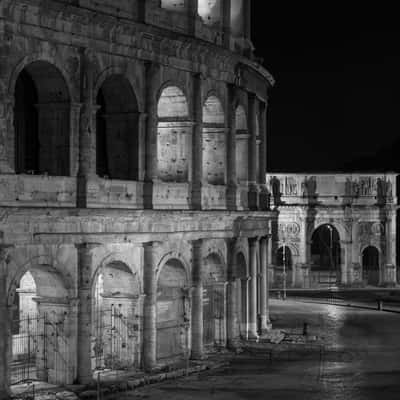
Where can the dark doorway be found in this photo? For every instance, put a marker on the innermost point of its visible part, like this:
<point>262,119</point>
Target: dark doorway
<point>370,263</point>
<point>325,255</point>
<point>42,121</point>
<point>117,130</point>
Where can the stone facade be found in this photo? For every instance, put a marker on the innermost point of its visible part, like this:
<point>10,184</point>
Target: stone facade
<point>359,214</point>
<point>134,216</point>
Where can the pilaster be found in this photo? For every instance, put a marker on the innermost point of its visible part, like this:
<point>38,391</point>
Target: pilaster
<point>253,295</point>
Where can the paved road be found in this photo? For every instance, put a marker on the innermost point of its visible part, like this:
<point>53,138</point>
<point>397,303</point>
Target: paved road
<point>367,368</point>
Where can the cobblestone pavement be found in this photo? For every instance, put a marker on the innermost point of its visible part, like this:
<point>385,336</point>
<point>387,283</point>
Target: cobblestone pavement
<point>358,359</point>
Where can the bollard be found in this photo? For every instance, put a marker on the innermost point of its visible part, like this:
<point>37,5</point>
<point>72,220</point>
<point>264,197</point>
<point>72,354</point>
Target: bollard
<point>380,305</point>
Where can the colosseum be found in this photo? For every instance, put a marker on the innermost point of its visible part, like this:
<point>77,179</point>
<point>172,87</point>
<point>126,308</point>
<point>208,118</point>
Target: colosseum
<point>134,211</point>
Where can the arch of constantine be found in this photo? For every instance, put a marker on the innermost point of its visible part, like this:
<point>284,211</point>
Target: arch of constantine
<point>333,230</point>
<point>134,215</point>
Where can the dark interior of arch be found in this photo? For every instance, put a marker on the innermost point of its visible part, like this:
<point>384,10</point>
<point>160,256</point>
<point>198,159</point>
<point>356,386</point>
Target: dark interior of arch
<point>287,260</point>
<point>42,121</point>
<point>117,130</point>
<point>325,248</point>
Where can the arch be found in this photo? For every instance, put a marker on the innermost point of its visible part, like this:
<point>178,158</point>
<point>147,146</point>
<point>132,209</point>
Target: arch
<point>214,278</point>
<point>326,254</point>
<point>214,143</point>
<point>371,265</point>
<point>172,310</point>
<point>117,129</point>
<point>284,262</point>
<point>173,135</point>
<point>40,308</point>
<point>42,109</point>
<point>115,321</point>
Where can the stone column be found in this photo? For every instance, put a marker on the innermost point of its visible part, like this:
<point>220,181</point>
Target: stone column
<point>262,179</point>
<point>85,301</point>
<point>5,327</point>
<point>197,302</point>
<point>150,174</point>
<point>197,144</point>
<point>252,326</point>
<point>231,190</point>
<point>226,22</point>
<point>232,297</point>
<point>264,307</point>
<point>87,129</point>
<point>193,7</point>
<point>252,125</point>
<point>7,155</point>
<point>149,307</point>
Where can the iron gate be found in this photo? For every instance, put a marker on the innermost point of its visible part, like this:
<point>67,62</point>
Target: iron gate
<point>40,351</point>
<point>115,340</point>
<point>213,315</point>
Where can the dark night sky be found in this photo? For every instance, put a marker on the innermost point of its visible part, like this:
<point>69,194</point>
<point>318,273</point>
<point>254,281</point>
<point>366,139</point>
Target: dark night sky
<point>336,103</point>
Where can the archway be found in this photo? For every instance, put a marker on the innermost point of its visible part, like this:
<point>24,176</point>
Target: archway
<point>214,144</point>
<point>42,121</point>
<point>370,264</point>
<point>242,145</point>
<point>284,262</point>
<point>117,130</point>
<point>116,323</point>
<point>242,294</point>
<point>214,301</point>
<point>172,311</point>
<point>325,256</point>
<point>173,136</point>
<point>40,343</point>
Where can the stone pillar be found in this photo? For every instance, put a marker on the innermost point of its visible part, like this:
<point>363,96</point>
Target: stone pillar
<point>149,307</point>
<point>346,262</point>
<point>7,156</point>
<point>232,297</point>
<point>252,125</point>
<point>231,190</point>
<point>252,326</point>
<point>197,302</point>
<point>5,327</point>
<point>197,144</point>
<point>226,22</point>
<point>150,174</point>
<point>264,296</point>
<point>193,7</point>
<point>87,129</point>
<point>84,342</point>
<point>262,179</point>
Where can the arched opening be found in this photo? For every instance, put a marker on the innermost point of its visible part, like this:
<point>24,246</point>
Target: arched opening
<point>242,294</point>
<point>172,311</point>
<point>370,263</point>
<point>40,341</point>
<point>325,255</point>
<point>284,271</point>
<point>242,145</point>
<point>213,301</point>
<point>116,321</point>
<point>237,19</point>
<point>42,121</point>
<point>214,146</point>
<point>174,5</point>
<point>210,11</point>
<point>117,130</point>
<point>173,136</point>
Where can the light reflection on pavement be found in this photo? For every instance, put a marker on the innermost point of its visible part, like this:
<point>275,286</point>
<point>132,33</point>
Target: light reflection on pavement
<point>367,369</point>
